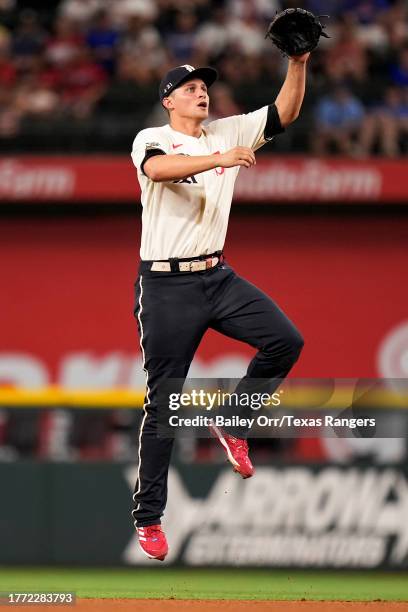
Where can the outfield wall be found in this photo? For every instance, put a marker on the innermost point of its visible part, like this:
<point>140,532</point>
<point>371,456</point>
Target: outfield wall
<point>66,311</point>
<point>287,516</point>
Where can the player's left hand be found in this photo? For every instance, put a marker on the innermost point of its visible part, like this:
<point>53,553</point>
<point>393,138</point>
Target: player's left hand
<point>296,31</point>
<point>302,59</point>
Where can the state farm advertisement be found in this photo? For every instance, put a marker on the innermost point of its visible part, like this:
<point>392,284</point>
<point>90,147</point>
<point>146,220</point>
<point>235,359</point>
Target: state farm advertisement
<point>275,178</point>
<point>67,297</point>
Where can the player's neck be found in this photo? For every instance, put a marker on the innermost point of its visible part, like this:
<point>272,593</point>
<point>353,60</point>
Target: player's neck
<point>190,127</point>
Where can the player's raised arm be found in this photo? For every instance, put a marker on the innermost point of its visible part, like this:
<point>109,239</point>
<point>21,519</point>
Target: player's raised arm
<point>290,97</point>
<point>296,32</point>
<point>162,168</point>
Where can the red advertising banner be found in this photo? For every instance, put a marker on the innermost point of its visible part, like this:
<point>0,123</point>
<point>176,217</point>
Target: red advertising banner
<point>67,297</point>
<point>274,178</point>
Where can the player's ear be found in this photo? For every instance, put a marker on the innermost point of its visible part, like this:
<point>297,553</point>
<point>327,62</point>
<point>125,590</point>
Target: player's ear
<point>168,103</point>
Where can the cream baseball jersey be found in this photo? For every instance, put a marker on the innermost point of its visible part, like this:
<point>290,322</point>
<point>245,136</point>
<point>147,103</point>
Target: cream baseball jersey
<point>189,217</point>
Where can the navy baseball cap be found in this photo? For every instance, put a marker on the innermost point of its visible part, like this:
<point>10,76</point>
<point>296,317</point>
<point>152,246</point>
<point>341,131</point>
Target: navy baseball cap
<point>174,78</point>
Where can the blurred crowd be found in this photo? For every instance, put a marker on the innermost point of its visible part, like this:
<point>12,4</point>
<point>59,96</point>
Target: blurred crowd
<point>62,434</point>
<point>84,74</point>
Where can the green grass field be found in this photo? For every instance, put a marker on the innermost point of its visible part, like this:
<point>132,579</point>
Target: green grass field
<point>209,583</point>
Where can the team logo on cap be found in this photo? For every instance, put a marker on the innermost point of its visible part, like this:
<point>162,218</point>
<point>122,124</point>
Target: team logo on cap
<point>188,67</point>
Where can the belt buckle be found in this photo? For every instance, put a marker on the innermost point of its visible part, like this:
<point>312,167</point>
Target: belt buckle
<point>191,263</point>
<point>208,263</point>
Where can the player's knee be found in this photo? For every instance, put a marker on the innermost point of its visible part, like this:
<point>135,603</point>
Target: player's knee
<point>292,343</point>
<point>296,343</point>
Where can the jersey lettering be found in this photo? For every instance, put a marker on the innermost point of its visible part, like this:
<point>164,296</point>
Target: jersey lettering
<point>189,181</point>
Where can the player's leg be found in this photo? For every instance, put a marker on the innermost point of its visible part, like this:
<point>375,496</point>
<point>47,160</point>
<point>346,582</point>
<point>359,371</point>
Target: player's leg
<point>244,312</point>
<point>171,321</point>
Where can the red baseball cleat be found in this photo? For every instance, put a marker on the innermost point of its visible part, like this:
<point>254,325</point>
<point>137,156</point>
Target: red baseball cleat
<point>153,541</point>
<point>237,451</point>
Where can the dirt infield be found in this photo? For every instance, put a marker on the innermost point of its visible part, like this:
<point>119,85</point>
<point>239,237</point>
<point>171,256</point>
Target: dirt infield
<point>184,605</point>
<point>187,605</point>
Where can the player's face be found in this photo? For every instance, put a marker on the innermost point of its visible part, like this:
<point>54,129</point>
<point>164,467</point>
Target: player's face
<point>191,100</point>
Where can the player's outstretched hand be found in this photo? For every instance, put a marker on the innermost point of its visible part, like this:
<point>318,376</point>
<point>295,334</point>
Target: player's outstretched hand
<point>238,156</point>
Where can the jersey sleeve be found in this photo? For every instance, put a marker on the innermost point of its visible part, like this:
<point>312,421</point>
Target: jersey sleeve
<point>252,129</point>
<point>148,143</point>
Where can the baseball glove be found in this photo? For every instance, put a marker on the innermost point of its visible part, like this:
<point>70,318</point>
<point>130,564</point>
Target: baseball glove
<point>296,31</point>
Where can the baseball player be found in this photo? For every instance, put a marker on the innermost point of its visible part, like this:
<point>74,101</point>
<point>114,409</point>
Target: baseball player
<point>187,173</point>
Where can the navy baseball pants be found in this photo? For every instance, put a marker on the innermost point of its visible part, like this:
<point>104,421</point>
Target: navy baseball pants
<point>173,311</point>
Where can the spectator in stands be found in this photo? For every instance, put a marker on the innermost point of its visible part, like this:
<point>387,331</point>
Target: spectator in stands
<point>9,118</point>
<point>27,99</point>
<point>62,47</point>
<point>230,68</point>
<point>181,40</point>
<point>134,86</point>
<point>81,12</point>
<point>28,40</point>
<point>338,123</point>
<point>5,36</point>
<point>366,11</point>
<point>9,115</point>
<point>33,99</point>
<point>387,124</point>
<point>399,71</point>
<point>263,9</point>
<point>8,73</point>
<point>222,102</point>
<point>254,90</point>
<point>346,57</point>
<point>142,39</point>
<point>83,83</point>
<point>7,6</point>
<point>121,11</point>
<point>103,39</point>
<point>323,7</point>
<point>212,38</point>
<point>246,35</point>
<point>394,24</point>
